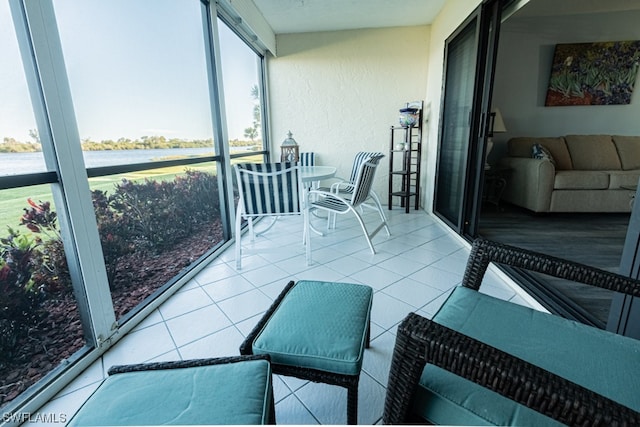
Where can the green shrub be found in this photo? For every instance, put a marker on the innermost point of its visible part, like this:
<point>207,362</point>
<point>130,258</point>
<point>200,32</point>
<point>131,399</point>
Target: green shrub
<point>51,271</point>
<point>161,213</point>
<point>115,231</point>
<point>19,296</point>
<point>137,217</point>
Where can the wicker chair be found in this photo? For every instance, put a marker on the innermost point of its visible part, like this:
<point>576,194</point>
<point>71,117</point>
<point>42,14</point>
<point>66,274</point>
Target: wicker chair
<point>421,342</point>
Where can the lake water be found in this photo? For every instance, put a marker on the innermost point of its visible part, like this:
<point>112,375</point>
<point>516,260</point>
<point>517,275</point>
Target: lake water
<point>22,163</point>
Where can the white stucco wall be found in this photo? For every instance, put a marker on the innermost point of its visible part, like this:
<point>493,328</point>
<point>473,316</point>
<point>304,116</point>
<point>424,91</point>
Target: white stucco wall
<point>339,92</point>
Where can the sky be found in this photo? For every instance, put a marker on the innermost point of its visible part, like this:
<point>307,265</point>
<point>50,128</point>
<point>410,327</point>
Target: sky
<point>135,68</point>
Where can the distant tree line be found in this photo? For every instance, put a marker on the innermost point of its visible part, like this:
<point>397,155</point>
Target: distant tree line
<point>11,145</point>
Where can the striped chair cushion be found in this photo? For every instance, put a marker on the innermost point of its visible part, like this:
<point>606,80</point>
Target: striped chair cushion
<point>360,158</point>
<point>308,159</point>
<point>269,188</point>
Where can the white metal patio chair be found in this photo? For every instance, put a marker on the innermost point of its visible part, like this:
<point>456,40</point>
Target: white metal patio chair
<point>344,187</point>
<point>266,190</point>
<point>336,204</point>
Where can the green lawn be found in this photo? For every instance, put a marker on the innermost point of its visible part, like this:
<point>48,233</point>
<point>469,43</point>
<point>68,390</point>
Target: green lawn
<point>14,200</point>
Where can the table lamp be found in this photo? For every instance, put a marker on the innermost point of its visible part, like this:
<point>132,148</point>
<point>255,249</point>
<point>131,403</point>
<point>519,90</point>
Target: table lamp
<point>497,126</point>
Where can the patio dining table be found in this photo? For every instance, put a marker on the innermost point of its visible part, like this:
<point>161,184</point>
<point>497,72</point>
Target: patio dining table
<point>310,174</point>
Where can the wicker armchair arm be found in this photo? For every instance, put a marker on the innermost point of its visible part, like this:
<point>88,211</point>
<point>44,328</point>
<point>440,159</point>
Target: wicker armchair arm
<point>485,251</point>
<point>246,347</point>
<point>421,341</point>
<point>119,369</point>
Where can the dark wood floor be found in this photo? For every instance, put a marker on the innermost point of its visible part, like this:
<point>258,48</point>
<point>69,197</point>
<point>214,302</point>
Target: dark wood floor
<point>594,239</point>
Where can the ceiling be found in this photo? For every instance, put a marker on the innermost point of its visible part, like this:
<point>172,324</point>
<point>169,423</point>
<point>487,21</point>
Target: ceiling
<point>299,16</point>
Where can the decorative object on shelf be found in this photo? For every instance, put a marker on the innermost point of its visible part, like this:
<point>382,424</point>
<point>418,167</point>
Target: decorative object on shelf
<point>289,149</point>
<point>410,115</point>
<point>497,126</point>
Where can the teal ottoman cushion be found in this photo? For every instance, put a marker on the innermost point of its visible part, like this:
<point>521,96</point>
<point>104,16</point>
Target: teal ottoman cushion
<point>319,325</point>
<point>598,360</point>
<point>233,393</point>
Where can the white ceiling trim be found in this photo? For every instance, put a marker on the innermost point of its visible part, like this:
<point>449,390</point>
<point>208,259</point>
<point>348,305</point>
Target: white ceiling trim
<point>246,14</point>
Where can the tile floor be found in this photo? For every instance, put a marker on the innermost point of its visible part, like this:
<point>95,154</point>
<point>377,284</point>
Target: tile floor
<point>413,270</point>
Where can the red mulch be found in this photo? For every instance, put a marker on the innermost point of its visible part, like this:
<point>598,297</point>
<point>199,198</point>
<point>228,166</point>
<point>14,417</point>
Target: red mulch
<point>60,334</point>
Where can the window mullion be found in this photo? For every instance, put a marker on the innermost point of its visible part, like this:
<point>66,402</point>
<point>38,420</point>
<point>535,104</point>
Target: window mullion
<point>59,134</point>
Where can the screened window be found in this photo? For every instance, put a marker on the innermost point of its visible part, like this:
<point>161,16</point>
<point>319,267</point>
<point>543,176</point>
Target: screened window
<point>131,201</point>
<point>140,88</point>
<point>39,317</point>
<point>241,71</point>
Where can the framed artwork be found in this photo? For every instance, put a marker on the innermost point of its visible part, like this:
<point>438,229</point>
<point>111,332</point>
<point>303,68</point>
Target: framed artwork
<point>601,73</point>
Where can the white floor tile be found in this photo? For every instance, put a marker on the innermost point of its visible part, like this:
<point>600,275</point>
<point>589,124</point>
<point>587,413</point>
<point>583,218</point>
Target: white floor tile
<point>225,342</point>
<point>197,324</point>
<point>291,411</point>
<point>215,273</point>
<point>377,277</point>
<point>267,274</point>
<point>377,358</point>
<point>184,302</point>
<point>348,265</point>
<point>402,264</point>
<point>245,305</point>
<point>92,375</point>
<point>412,292</point>
<point>59,411</point>
<point>140,346</point>
<point>327,403</point>
<point>228,287</point>
<point>371,396</point>
<point>437,278</point>
<point>388,311</point>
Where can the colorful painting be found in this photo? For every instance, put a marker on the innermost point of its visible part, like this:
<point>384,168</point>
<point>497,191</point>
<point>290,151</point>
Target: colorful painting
<point>600,73</point>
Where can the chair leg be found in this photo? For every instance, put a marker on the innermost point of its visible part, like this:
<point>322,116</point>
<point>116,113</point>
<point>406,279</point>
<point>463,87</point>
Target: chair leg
<point>238,236</point>
<point>383,217</point>
<point>252,234</point>
<point>352,404</point>
<point>367,342</point>
<point>364,229</point>
<point>307,235</point>
<point>379,205</point>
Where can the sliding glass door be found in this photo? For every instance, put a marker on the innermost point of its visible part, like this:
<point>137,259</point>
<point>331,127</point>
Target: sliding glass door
<point>468,76</point>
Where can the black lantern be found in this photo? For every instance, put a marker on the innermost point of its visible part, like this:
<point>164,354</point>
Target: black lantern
<point>289,149</point>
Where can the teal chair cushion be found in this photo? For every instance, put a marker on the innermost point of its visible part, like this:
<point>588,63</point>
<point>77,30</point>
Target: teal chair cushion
<point>233,393</point>
<point>319,325</point>
<point>598,360</point>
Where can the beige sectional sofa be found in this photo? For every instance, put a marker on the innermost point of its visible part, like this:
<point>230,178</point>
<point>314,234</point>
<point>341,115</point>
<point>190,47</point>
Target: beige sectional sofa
<point>585,173</point>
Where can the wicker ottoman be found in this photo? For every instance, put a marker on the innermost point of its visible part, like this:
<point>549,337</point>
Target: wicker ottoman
<point>317,331</point>
<point>233,390</point>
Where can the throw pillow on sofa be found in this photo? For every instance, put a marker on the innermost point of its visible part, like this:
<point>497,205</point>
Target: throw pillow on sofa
<point>541,152</point>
